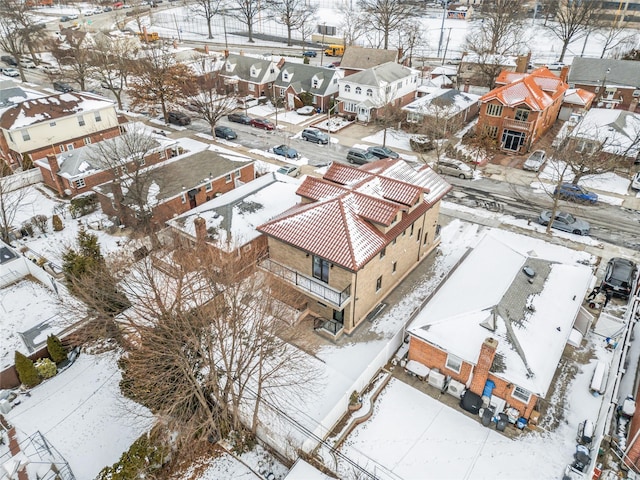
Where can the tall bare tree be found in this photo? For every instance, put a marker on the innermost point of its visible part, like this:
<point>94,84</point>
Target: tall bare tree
<point>12,195</point>
<point>207,9</point>
<point>352,25</point>
<point>386,16</point>
<point>159,79</point>
<point>615,37</point>
<point>291,13</point>
<point>573,19</point>
<point>207,344</point>
<point>246,11</point>
<point>74,57</point>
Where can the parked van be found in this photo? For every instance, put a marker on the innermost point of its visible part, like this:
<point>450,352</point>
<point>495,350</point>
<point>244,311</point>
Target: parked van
<point>334,51</point>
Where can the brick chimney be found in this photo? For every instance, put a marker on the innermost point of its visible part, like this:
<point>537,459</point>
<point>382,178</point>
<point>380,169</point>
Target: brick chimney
<point>55,168</point>
<point>201,230</point>
<point>281,62</point>
<point>485,359</point>
<point>564,73</point>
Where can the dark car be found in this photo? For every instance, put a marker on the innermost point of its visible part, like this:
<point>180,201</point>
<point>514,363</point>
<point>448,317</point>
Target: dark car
<point>62,87</point>
<point>262,123</point>
<point>239,118</point>
<point>619,277</point>
<point>383,152</point>
<point>225,132</point>
<point>9,60</point>
<point>359,156</point>
<point>309,53</point>
<point>314,135</point>
<point>569,191</point>
<point>285,151</point>
<point>179,118</point>
<point>565,221</point>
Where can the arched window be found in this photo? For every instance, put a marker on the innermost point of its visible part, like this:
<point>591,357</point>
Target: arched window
<point>369,92</point>
<point>347,88</point>
<point>358,90</point>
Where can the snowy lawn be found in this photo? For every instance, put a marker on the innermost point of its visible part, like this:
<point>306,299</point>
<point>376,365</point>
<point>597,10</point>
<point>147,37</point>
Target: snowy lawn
<point>395,139</point>
<point>83,414</point>
<point>292,117</point>
<point>270,154</point>
<point>605,182</point>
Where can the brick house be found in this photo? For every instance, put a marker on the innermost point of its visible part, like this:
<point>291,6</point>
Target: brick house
<point>355,235</point>
<point>175,186</point>
<point>447,104</point>
<point>521,109</point>
<point>77,171</point>
<point>296,78</point>
<point>247,76</point>
<point>227,223</point>
<point>615,83</point>
<point>363,94</point>
<point>56,123</point>
<point>356,59</point>
<point>505,321</point>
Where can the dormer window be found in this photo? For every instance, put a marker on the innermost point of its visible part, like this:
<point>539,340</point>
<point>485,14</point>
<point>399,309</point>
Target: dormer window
<point>347,88</point>
<point>315,83</point>
<point>285,76</point>
<point>358,91</point>
<point>228,67</point>
<point>253,72</point>
<point>369,92</point>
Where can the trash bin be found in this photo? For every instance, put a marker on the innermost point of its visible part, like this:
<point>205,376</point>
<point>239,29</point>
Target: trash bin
<point>503,421</point>
<point>487,416</point>
<point>521,423</point>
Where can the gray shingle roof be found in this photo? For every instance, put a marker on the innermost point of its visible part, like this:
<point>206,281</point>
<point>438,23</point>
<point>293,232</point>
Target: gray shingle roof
<point>361,58</point>
<point>301,78</point>
<point>376,76</point>
<point>592,71</point>
<point>243,66</point>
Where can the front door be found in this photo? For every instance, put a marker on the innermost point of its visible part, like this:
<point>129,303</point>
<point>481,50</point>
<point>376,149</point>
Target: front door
<point>363,114</point>
<point>192,198</point>
<point>512,140</point>
<point>290,101</point>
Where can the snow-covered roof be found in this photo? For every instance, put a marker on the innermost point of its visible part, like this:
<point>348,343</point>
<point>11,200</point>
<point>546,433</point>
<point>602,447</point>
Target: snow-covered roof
<point>489,295</point>
<point>447,100</point>
<point>301,470</point>
<point>45,109</point>
<point>578,96</point>
<point>379,75</point>
<point>341,224</point>
<point>235,215</point>
<point>12,93</point>
<point>617,131</point>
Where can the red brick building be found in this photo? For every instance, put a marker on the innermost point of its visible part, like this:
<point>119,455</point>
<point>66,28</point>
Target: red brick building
<point>174,187</point>
<point>522,108</point>
<point>501,324</point>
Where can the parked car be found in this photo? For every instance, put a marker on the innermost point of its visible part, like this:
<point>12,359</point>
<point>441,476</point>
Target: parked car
<point>315,135</point>
<point>87,13</point>
<point>225,132</point>
<point>383,152</point>
<point>50,69</point>
<point>178,118</point>
<point>10,72</point>
<point>291,170</point>
<point>569,191</point>
<point>107,9</point>
<point>453,167</point>
<point>262,123</point>
<point>27,63</point>
<point>535,161</point>
<point>360,157</point>
<point>65,18</point>
<point>555,66</point>
<point>309,53</point>
<point>619,277</point>
<point>565,221</point>
<point>635,181</point>
<point>286,151</point>
<point>9,60</point>
<point>239,118</point>
<point>421,143</point>
<point>62,87</point>
<point>306,110</point>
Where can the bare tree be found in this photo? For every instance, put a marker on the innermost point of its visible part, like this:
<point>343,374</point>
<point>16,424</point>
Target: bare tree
<point>386,16</point>
<point>207,345</point>
<point>160,79</point>
<point>411,36</point>
<point>438,124</point>
<point>207,9</point>
<point>353,24</point>
<point>246,11</point>
<point>291,13</point>
<point>74,57</point>
<point>615,37</point>
<point>573,19</point>
<point>12,196</point>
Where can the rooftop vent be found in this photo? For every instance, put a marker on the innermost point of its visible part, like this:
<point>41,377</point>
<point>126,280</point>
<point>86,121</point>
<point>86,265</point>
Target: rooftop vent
<point>529,272</point>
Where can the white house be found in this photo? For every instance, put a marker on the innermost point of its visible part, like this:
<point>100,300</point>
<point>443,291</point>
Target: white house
<point>362,94</point>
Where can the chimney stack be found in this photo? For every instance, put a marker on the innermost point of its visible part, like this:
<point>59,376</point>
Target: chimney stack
<point>201,230</point>
<point>564,73</point>
<point>485,360</point>
<point>55,168</point>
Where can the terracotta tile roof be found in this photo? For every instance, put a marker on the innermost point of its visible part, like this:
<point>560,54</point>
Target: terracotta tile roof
<point>341,228</point>
<point>537,89</point>
<point>578,96</point>
<point>49,108</point>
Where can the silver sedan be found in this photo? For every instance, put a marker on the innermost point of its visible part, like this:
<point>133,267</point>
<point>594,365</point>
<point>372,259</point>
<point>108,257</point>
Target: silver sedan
<point>565,221</point>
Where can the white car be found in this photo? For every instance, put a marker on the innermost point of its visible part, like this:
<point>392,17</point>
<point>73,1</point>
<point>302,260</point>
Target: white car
<point>87,13</point>
<point>535,161</point>
<point>453,167</point>
<point>50,69</point>
<point>26,63</point>
<point>555,66</point>
<point>10,72</point>
<point>635,181</point>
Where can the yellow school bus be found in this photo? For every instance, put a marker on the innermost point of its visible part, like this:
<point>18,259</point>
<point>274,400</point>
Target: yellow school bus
<point>334,51</point>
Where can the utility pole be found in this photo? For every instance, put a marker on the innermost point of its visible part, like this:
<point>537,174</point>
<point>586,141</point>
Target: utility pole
<point>444,16</point>
<point>324,29</point>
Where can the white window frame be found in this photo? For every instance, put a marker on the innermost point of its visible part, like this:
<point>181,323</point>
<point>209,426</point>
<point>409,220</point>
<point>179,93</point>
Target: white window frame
<point>80,183</point>
<point>52,124</point>
<point>87,140</point>
<point>521,394</point>
<point>208,187</point>
<point>227,178</point>
<point>350,107</point>
<point>81,122</point>
<point>237,174</point>
<point>369,92</point>
<point>358,91</point>
<point>494,110</point>
<point>97,116</point>
<point>25,135</point>
<point>453,363</point>
<point>251,87</point>
<point>347,89</point>
<point>183,198</point>
<point>70,147</point>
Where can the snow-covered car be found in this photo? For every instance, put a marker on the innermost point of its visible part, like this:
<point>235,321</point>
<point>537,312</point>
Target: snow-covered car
<point>535,161</point>
<point>51,69</point>
<point>291,170</point>
<point>635,181</point>
<point>285,151</point>
<point>307,110</point>
<point>565,221</point>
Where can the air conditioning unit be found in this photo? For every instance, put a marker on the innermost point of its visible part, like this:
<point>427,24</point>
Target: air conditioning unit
<point>455,388</point>
<point>436,379</point>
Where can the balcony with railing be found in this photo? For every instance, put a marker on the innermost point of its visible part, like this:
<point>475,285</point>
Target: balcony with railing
<point>517,124</point>
<point>308,284</point>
